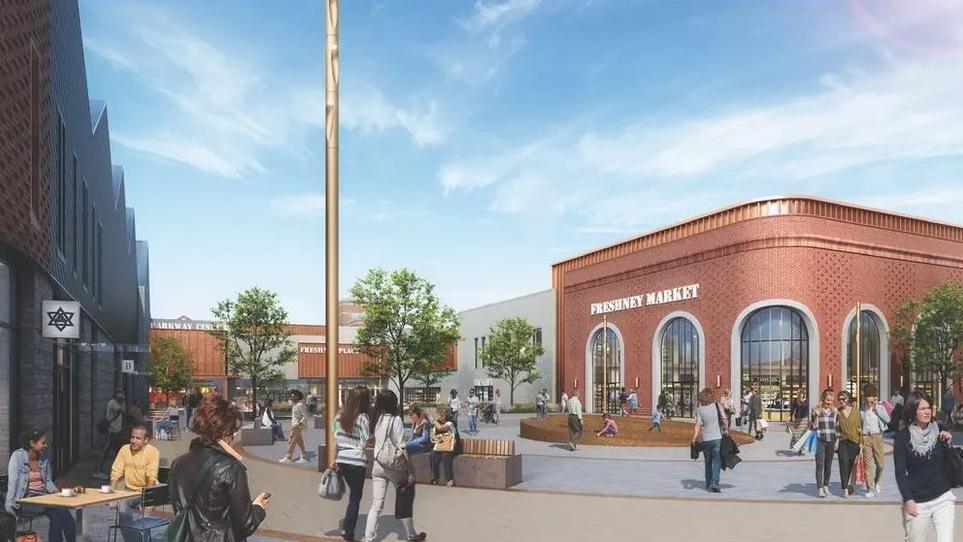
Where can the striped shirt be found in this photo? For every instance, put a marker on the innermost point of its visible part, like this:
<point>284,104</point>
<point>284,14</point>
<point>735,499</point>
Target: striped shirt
<point>351,445</point>
<point>826,424</point>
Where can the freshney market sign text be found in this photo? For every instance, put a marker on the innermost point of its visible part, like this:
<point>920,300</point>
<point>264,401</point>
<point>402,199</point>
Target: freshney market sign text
<point>642,300</point>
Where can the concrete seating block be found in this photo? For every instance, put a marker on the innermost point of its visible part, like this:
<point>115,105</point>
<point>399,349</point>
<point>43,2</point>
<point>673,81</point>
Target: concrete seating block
<point>256,437</point>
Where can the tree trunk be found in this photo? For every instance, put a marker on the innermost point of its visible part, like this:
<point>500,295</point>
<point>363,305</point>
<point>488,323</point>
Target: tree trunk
<point>511,393</point>
<point>254,401</point>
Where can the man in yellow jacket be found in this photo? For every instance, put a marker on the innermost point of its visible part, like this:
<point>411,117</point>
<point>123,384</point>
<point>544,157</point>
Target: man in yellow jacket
<point>136,464</point>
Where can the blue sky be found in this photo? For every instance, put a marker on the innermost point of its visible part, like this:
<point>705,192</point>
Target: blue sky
<point>483,140</point>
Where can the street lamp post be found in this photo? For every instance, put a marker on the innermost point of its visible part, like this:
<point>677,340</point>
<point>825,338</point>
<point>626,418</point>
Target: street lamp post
<point>605,362</point>
<point>331,68</point>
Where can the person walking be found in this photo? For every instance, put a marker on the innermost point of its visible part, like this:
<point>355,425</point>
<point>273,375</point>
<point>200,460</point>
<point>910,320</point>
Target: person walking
<point>850,436</point>
<point>623,402</point>
<point>921,475</point>
<point>212,478</point>
<point>471,407</point>
<point>268,420</point>
<point>949,403</point>
<point>312,402</point>
<point>389,432</point>
<point>540,399</point>
<point>191,403</point>
<point>296,437</point>
<point>134,468</point>
<point>798,419</point>
<point>442,455</point>
<point>633,402</point>
<point>656,420</point>
<point>574,419</point>
<point>710,423</point>
<point>563,403</point>
<point>498,407</point>
<point>824,422</point>
<point>755,409</point>
<point>114,415</point>
<point>30,474</point>
<point>352,431</point>
<point>896,398</point>
<point>728,407</point>
<point>454,407</point>
<point>875,421</point>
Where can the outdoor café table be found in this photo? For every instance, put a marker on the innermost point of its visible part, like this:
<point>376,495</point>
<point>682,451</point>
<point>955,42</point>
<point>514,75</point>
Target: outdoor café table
<point>79,501</point>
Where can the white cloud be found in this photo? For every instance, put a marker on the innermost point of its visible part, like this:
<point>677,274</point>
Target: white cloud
<point>907,112</point>
<point>367,109</point>
<point>194,154</point>
<point>494,16</point>
<point>117,58</point>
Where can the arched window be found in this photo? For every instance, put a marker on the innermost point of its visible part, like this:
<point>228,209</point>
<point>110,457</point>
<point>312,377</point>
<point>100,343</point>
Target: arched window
<point>680,366</point>
<point>612,367</point>
<point>869,354</point>
<point>775,353</point>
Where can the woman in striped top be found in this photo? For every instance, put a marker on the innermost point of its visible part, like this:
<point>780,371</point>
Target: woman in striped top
<point>352,431</point>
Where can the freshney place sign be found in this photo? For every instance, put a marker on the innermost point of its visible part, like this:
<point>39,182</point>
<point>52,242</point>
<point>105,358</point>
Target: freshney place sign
<point>643,300</point>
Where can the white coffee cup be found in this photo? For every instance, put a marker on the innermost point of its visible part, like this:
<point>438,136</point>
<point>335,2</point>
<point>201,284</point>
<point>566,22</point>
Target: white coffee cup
<point>105,489</point>
<point>67,492</point>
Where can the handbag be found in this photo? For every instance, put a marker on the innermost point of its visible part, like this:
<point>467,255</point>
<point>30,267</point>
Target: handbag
<point>27,536</point>
<point>444,442</point>
<point>695,449</point>
<point>177,531</point>
<point>954,464</point>
<point>391,456</point>
<point>332,486</point>
<point>859,470</point>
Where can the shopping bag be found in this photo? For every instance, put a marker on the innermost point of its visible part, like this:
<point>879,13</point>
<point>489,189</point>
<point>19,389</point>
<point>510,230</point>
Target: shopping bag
<point>803,441</point>
<point>859,470</point>
<point>888,407</point>
<point>332,487</point>
<point>812,443</point>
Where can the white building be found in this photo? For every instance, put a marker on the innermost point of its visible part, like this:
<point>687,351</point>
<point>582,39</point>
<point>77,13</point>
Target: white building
<point>539,309</point>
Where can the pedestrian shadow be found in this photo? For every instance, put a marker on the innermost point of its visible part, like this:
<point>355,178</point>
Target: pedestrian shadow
<point>809,490</point>
<point>560,446</point>
<point>701,485</point>
<point>788,453</point>
<point>387,525</point>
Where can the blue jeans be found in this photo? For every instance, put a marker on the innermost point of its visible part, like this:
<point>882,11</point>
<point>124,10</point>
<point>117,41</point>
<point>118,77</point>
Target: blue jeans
<point>711,449</point>
<point>472,423</point>
<point>62,526</point>
<point>277,431</point>
<point>454,419</point>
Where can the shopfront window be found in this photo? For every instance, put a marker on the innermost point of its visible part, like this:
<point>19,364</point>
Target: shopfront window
<point>775,353</point>
<point>606,369</point>
<point>680,366</point>
<point>869,354</point>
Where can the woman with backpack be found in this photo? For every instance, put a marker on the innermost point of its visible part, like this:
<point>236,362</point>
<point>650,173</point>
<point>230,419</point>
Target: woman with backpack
<point>352,430</point>
<point>391,465</point>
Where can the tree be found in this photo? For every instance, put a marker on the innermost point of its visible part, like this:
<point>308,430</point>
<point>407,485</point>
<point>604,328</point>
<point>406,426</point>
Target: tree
<point>511,353</point>
<point>434,335</point>
<point>406,329</point>
<point>170,365</point>
<point>254,330</point>
<point>930,331</point>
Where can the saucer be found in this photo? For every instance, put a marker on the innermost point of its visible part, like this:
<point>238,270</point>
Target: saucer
<point>67,496</point>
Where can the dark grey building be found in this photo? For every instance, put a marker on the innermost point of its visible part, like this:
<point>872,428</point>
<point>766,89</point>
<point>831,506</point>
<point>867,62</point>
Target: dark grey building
<point>66,233</point>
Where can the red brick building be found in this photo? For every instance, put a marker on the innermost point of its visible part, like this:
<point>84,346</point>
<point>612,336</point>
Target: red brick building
<point>761,291</point>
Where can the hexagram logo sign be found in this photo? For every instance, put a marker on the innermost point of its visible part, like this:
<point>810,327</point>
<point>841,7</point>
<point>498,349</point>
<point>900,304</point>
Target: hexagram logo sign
<point>61,319</point>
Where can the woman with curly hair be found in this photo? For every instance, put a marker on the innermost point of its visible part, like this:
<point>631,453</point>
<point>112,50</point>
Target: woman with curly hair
<point>210,482</point>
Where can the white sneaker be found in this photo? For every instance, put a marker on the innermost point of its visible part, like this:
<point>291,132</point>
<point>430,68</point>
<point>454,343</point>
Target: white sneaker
<point>284,460</point>
<point>822,493</point>
<point>879,488</point>
<point>870,494</point>
<point>302,460</point>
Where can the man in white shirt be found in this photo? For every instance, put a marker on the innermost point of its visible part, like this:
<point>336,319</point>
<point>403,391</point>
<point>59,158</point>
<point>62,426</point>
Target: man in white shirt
<point>897,398</point>
<point>574,419</point>
<point>498,406</point>
<point>472,408</point>
<point>454,406</point>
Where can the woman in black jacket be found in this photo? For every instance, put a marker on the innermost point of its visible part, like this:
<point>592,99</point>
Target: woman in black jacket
<point>921,475</point>
<point>212,473</point>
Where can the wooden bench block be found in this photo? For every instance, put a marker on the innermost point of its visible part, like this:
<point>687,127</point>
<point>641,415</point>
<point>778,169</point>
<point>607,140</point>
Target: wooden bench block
<point>479,471</point>
<point>256,437</point>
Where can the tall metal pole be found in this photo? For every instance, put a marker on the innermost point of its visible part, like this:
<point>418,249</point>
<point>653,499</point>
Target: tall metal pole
<point>332,76</point>
<point>605,363</point>
<point>859,327</point>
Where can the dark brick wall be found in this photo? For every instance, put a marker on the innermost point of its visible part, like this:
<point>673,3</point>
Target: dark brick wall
<point>25,31</point>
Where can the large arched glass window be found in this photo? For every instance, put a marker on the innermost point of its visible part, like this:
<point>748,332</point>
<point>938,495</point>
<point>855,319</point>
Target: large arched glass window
<point>609,381</point>
<point>869,354</point>
<point>775,353</point>
<point>680,365</point>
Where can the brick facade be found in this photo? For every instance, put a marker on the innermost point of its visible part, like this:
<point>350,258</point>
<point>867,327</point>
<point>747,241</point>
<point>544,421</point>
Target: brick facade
<point>821,256</point>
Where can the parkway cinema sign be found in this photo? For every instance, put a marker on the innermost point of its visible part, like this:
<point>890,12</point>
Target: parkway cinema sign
<point>670,295</point>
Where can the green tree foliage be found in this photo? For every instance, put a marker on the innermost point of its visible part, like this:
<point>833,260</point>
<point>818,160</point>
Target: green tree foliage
<point>254,331</point>
<point>511,353</point>
<point>929,333</point>
<point>407,332</point>
<point>170,365</point>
